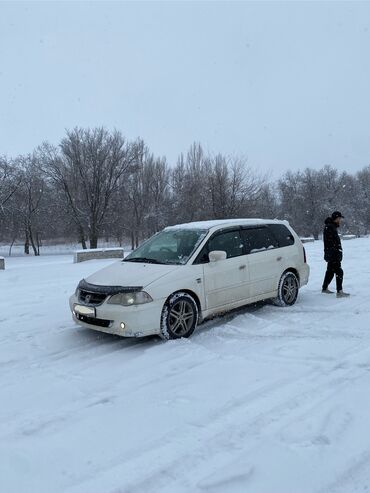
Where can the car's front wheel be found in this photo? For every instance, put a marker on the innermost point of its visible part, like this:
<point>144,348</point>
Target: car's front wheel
<point>287,290</point>
<point>179,316</point>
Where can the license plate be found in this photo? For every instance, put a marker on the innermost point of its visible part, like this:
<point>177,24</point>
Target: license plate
<point>84,310</point>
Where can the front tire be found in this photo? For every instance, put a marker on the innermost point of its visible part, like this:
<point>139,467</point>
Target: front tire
<point>179,316</point>
<point>287,290</point>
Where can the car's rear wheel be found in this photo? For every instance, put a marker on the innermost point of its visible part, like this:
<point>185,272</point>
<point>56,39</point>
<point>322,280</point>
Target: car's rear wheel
<point>287,290</point>
<point>179,316</point>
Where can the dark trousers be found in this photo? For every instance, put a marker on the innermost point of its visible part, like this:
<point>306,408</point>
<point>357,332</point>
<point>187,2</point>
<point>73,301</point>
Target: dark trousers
<point>334,268</point>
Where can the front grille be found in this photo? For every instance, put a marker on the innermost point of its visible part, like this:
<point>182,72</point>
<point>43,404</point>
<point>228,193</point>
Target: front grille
<point>90,298</point>
<point>100,322</point>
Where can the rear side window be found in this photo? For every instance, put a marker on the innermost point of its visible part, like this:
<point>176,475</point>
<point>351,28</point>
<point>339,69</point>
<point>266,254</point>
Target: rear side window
<point>283,235</point>
<point>259,239</point>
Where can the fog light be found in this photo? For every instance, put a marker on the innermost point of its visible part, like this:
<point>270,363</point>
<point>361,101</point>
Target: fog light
<point>123,325</point>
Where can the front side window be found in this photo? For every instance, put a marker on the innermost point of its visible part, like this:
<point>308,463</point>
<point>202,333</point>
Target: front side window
<point>259,239</point>
<point>228,241</point>
<point>173,246</point>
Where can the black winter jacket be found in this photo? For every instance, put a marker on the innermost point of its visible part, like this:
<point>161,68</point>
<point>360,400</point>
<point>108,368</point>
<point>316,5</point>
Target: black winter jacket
<point>332,244</point>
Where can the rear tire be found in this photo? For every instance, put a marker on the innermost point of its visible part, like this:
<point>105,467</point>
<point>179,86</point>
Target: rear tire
<point>287,290</point>
<point>179,316</point>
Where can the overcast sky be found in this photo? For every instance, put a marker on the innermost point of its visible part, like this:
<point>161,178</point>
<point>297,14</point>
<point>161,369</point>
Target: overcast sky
<point>286,84</point>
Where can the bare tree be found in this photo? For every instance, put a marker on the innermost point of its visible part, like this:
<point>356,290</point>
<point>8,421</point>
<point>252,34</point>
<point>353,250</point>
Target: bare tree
<point>267,204</point>
<point>189,182</point>
<point>10,180</point>
<point>143,196</point>
<point>307,198</point>
<point>30,201</point>
<point>362,198</point>
<point>234,187</point>
<point>88,168</point>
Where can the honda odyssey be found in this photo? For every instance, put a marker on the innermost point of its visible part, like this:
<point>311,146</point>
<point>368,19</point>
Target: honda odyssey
<point>190,272</point>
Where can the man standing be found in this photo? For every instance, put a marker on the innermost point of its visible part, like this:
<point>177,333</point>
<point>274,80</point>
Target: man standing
<point>333,254</point>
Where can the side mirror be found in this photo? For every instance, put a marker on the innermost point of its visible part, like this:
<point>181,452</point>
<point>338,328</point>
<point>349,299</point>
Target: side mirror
<point>217,255</point>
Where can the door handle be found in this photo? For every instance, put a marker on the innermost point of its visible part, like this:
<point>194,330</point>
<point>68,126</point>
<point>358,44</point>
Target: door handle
<point>241,267</point>
<point>279,258</point>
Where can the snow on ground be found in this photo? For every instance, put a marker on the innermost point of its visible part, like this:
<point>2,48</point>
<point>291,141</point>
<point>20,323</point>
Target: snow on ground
<point>265,400</point>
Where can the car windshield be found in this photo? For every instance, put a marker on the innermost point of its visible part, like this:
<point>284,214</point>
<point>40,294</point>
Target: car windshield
<point>173,246</point>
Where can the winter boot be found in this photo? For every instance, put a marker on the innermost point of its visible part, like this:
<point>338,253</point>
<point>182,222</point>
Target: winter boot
<point>327,291</point>
<point>342,294</point>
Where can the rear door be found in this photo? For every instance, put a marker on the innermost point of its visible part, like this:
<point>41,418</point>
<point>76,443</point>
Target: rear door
<point>225,281</point>
<point>264,259</point>
<point>291,255</point>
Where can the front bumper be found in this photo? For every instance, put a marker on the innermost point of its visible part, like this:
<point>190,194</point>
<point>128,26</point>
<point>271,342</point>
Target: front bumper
<point>139,320</point>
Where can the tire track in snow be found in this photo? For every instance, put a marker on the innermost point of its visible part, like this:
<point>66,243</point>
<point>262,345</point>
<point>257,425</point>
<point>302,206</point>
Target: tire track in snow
<point>148,460</point>
<point>234,429</point>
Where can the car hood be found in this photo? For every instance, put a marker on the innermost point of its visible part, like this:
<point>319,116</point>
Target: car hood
<point>130,274</point>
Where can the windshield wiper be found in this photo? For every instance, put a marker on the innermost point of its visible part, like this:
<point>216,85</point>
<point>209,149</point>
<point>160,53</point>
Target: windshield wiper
<point>142,259</point>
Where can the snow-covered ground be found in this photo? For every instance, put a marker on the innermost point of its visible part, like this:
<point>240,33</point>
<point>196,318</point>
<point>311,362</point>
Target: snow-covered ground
<point>266,400</point>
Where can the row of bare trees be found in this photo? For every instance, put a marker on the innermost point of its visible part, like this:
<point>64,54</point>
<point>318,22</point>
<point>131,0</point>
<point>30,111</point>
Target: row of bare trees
<point>97,185</point>
<point>307,197</point>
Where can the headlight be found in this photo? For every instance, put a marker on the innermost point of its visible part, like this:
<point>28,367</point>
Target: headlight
<point>128,299</point>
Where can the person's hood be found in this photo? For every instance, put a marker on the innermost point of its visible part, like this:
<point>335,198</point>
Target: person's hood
<point>329,220</point>
<point>130,274</point>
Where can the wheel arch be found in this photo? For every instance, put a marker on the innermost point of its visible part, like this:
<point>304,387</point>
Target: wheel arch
<point>294,271</point>
<point>278,301</point>
<point>164,332</point>
<point>192,294</point>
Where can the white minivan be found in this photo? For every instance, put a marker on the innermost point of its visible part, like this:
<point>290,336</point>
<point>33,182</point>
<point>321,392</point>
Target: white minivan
<point>189,272</point>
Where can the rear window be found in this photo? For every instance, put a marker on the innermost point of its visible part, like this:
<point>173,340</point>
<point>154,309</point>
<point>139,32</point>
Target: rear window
<point>259,239</point>
<point>283,235</point>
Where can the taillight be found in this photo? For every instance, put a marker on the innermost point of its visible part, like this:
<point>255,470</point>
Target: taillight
<point>304,256</point>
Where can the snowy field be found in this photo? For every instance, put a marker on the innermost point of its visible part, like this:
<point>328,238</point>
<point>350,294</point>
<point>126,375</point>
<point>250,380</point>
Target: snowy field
<point>266,400</point>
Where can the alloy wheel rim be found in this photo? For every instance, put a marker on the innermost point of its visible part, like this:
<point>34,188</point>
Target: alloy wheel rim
<point>289,289</point>
<point>181,317</point>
